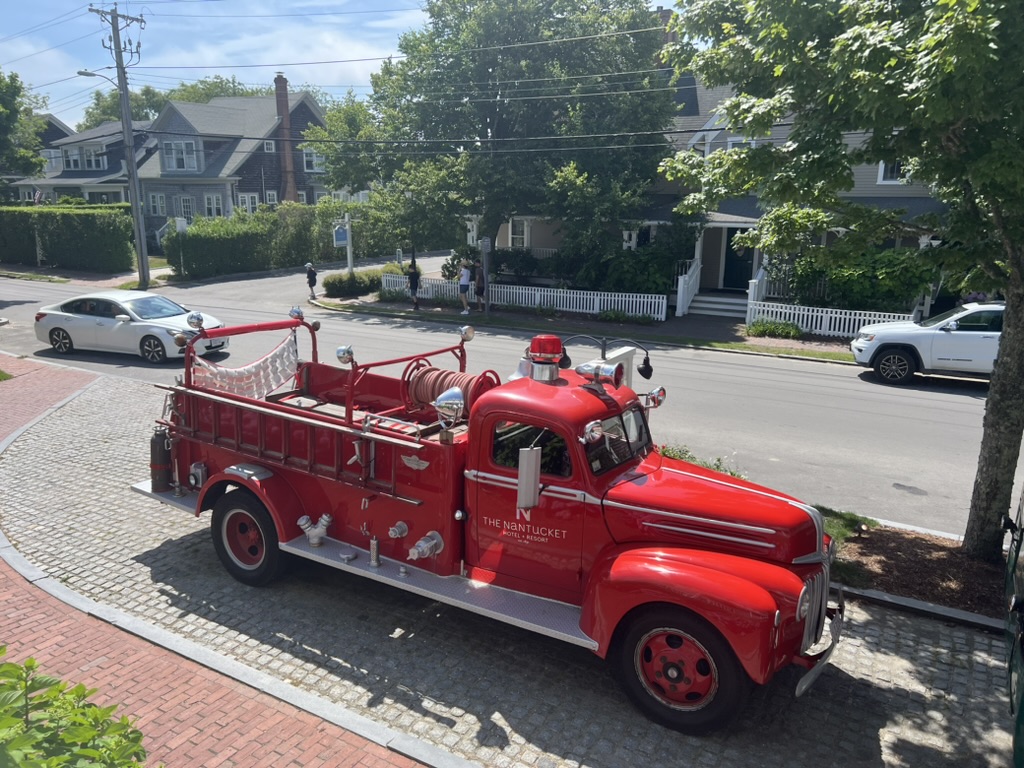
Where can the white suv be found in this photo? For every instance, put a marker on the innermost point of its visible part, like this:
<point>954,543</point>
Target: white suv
<point>961,342</point>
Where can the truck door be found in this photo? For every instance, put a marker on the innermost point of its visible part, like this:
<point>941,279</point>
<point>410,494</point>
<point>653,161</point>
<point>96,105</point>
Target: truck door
<point>542,545</point>
<point>972,345</point>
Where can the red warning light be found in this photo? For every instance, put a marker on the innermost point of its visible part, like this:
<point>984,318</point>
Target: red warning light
<point>546,349</point>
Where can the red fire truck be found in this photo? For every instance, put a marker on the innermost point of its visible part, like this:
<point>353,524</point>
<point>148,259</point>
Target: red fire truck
<point>540,501</point>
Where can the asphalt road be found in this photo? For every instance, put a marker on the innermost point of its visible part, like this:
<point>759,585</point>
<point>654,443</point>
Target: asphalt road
<point>823,432</point>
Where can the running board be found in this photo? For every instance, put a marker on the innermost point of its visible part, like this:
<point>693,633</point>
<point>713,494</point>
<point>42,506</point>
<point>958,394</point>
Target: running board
<point>186,502</point>
<point>537,614</point>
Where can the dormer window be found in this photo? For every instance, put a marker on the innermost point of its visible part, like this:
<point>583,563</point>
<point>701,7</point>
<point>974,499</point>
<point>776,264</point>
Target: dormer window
<point>180,156</point>
<point>891,173</point>
<point>72,159</point>
<point>95,158</point>
<point>268,147</point>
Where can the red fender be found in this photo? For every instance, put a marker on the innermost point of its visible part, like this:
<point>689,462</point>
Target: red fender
<point>273,492</point>
<point>730,592</point>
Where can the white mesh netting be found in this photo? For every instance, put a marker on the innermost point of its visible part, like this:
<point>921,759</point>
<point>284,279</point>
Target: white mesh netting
<point>256,380</point>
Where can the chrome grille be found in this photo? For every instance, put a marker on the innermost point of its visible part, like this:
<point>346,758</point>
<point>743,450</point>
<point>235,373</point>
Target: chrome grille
<point>815,622</point>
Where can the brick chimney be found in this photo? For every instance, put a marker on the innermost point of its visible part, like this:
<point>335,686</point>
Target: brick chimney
<point>284,140</point>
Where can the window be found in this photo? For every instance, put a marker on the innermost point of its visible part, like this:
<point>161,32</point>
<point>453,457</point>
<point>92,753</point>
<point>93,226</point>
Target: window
<point>179,156</point>
<point>312,161</point>
<point>52,160</point>
<point>248,202</point>
<point>214,207</point>
<point>272,196</point>
<point>302,196</point>
<point>72,159</point>
<point>364,196</point>
<point>517,233</point>
<point>157,205</point>
<point>341,197</point>
<point>268,147</point>
<point>622,438</point>
<point>188,208</point>
<point>95,159</point>
<point>510,436</point>
<point>741,143</point>
<point>891,173</point>
<point>318,196</point>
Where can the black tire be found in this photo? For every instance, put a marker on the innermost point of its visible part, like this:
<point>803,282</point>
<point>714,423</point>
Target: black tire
<point>245,538</point>
<point>152,350</point>
<point>679,670</point>
<point>895,366</point>
<point>61,342</point>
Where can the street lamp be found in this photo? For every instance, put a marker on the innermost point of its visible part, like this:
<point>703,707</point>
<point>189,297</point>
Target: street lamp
<point>134,190</point>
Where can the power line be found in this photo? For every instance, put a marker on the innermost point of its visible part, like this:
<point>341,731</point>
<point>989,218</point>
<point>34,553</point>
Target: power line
<point>508,46</point>
<point>55,21</point>
<point>51,48</point>
<point>277,15</point>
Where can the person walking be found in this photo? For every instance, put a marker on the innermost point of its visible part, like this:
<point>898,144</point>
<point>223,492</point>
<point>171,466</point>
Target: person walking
<point>481,284</point>
<point>465,277</point>
<point>414,285</point>
<point>311,280</point>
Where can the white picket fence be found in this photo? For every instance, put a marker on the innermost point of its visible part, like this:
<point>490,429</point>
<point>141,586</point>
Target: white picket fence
<point>583,302</point>
<point>820,321</point>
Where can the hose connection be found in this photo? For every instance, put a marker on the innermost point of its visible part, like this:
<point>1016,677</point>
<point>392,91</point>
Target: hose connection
<point>315,533</point>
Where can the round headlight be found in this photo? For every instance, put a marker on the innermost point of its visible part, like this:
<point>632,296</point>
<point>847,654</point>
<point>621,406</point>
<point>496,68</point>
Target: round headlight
<point>803,603</point>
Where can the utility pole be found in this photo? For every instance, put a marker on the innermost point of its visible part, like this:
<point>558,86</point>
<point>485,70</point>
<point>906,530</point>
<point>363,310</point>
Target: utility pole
<point>134,189</point>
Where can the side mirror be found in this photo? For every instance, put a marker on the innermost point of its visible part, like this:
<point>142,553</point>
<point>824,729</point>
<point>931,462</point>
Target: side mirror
<point>122,318</point>
<point>952,325</point>
<point>528,481</point>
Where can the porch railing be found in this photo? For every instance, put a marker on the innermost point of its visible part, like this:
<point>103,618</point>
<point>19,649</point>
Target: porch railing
<point>687,286</point>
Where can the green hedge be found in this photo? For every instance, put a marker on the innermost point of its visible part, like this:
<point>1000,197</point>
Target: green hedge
<point>91,239</point>
<point>359,283</point>
<point>219,246</point>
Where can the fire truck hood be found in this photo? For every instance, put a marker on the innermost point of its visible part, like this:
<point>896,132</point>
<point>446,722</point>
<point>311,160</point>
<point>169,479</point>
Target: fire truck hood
<point>671,501</point>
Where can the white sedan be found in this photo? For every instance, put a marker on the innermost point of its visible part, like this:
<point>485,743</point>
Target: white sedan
<point>133,322</point>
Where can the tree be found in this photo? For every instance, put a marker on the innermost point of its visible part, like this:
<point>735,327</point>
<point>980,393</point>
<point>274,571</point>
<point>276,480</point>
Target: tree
<point>201,91</point>
<point>935,85</point>
<point>19,130</point>
<point>517,91</point>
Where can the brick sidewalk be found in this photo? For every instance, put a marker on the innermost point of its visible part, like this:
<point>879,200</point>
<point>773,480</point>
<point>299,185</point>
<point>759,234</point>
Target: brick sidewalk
<point>190,715</point>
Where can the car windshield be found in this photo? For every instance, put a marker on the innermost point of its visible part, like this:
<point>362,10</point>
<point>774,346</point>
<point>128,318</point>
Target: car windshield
<point>949,314</point>
<point>625,437</point>
<point>155,307</point>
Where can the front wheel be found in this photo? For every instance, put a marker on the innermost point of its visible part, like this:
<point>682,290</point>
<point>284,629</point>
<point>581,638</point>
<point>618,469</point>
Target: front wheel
<point>245,538</point>
<point>679,671</point>
<point>895,366</point>
<point>152,350</point>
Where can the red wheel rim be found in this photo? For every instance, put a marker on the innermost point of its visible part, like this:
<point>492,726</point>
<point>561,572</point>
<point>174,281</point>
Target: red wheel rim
<point>676,669</point>
<point>243,539</point>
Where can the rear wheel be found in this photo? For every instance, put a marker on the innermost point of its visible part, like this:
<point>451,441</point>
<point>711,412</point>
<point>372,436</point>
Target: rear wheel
<point>61,342</point>
<point>245,538</point>
<point>152,349</point>
<point>679,671</point>
<point>895,366</point>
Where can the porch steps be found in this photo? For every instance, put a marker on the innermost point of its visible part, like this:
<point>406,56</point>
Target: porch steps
<point>719,304</point>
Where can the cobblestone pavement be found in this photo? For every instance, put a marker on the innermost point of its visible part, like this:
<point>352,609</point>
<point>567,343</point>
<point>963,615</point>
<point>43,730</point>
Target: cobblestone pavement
<point>902,690</point>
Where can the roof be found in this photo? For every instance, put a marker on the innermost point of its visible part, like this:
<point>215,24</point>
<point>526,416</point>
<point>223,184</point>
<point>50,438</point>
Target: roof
<point>109,130</point>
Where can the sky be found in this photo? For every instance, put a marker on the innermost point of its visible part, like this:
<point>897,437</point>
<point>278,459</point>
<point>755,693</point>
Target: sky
<point>333,44</point>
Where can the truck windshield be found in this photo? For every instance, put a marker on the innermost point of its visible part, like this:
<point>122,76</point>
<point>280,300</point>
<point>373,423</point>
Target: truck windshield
<point>625,436</point>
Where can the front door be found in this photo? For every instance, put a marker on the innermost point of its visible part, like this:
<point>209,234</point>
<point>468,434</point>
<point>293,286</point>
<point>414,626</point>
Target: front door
<point>972,345</point>
<point>542,545</point>
<point>739,264</point>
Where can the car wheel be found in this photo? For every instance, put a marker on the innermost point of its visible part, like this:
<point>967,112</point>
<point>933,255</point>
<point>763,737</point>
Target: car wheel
<point>152,349</point>
<point>245,539</point>
<point>895,366</point>
<point>61,342</point>
<point>680,671</point>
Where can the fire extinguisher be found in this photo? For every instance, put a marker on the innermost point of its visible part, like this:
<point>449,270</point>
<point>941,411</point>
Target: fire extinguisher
<point>160,461</point>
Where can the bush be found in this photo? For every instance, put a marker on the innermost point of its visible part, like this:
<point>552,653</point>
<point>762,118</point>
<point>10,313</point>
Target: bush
<point>88,238</point>
<point>220,246</point>
<point>45,722</point>
<point>776,329</point>
<point>359,283</point>
<point>683,453</point>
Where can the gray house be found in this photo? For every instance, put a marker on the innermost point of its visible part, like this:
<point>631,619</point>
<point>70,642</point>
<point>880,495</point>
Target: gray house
<point>236,152</point>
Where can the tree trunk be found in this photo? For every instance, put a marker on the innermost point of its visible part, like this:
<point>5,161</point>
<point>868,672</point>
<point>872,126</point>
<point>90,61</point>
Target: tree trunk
<point>1001,440</point>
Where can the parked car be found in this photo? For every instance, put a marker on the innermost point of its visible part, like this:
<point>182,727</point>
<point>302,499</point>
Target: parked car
<point>132,322</point>
<point>961,342</point>
<point>1015,630</point>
